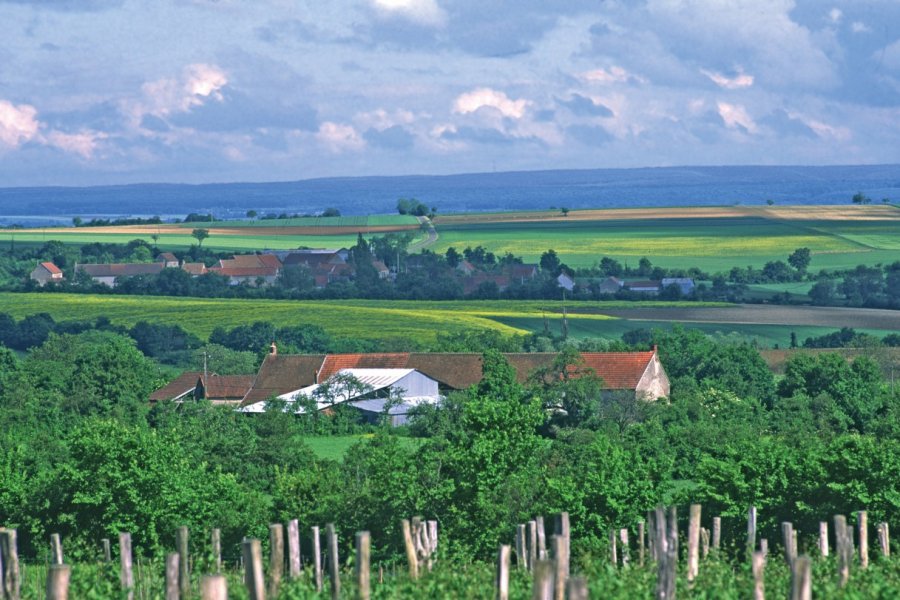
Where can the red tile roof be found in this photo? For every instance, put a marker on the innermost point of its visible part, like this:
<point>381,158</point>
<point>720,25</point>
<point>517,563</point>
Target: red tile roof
<point>283,373</point>
<point>335,362</point>
<point>227,387</point>
<point>121,269</point>
<point>245,271</point>
<point>184,383</point>
<point>197,268</point>
<point>53,269</point>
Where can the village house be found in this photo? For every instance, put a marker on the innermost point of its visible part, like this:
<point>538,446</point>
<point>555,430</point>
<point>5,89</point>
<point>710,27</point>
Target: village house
<point>565,282</point>
<point>524,272</point>
<point>226,390</point>
<point>46,272</point>
<point>685,284</point>
<point>250,269</point>
<point>638,373</point>
<point>610,285</point>
<point>643,287</point>
<point>168,260</point>
<point>109,273</point>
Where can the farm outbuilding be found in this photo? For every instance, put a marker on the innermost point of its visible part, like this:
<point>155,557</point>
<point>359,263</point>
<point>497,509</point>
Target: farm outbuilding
<point>46,272</point>
<point>373,392</point>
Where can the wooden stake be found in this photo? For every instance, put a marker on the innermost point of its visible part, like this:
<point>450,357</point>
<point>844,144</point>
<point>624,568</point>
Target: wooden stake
<point>215,538</point>
<point>214,587</point>
<point>172,566</point>
<point>623,538</point>
<point>801,579</point>
<point>58,581</point>
<point>787,538</point>
<point>759,566</point>
<point>562,528</point>
<point>884,539</point>
<point>694,542</point>
<point>641,539</point>
<point>541,538</point>
<point>411,557</point>
<point>363,573</point>
<point>842,547</point>
<point>334,569</point>
<point>862,522</point>
<point>664,587</point>
<point>751,530</point>
<point>521,553</point>
<point>276,557</point>
<point>704,543</point>
<point>578,589</point>
<point>717,534</point>
<point>433,536</point>
<point>542,588</point>
<point>293,536</point>
<point>9,549</point>
<point>126,574</point>
<point>501,583</point>
<point>764,547</point>
<point>107,550</point>
<point>253,569</point>
<point>184,565</point>
<point>823,539</point>
<point>56,549</point>
<point>317,555</point>
<point>532,544</point>
<point>560,561</point>
<point>613,558</point>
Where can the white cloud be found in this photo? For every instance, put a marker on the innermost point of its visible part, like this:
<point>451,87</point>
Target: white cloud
<point>83,143</point>
<point>736,116</point>
<point>424,12</point>
<point>338,137</point>
<point>835,15</point>
<point>197,84</point>
<point>612,75</point>
<point>739,81</point>
<point>481,97</point>
<point>18,124</point>
<point>860,27</point>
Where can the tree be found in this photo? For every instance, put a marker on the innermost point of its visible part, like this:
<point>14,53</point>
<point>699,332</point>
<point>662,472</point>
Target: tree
<point>453,257</point>
<point>564,211</point>
<point>800,259</point>
<point>860,198</point>
<point>823,292</point>
<point>331,212</point>
<point>550,262</point>
<point>251,214</point>
<point>200,235</point>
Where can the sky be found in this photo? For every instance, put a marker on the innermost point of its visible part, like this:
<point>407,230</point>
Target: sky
<point>96,92</point>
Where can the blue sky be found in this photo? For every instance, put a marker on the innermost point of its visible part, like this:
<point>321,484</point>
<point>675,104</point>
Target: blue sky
<point>115,91</point>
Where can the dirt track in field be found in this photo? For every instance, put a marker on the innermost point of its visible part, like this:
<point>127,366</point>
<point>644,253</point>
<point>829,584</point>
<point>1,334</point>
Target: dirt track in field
<point>765,314</point>
<point>229,231</point>
<point>785,213</point>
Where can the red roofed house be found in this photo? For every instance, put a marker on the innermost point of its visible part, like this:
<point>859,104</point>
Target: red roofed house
<point>108,273</point>
<point>46,272</point>
<point>637,372</point>
<point>168,260</point>
<point>253,269</point>
<point>192,385</point>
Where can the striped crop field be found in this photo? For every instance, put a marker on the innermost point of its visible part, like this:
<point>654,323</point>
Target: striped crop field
<point>713,239</point>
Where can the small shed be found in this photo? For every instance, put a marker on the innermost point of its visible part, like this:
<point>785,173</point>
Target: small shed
<point>46,272</point>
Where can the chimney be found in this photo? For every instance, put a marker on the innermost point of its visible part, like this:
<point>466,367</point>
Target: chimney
<point>273,349</point>
<point>655,349</point>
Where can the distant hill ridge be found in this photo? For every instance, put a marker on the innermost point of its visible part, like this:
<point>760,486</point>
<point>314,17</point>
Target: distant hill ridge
<point>521,190</point>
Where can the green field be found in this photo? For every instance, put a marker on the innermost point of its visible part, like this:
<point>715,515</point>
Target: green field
<point>710,243</point>
<point>422,321</point>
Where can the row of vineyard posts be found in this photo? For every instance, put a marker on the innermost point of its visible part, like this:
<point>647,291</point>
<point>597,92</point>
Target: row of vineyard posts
<point>657,540</point>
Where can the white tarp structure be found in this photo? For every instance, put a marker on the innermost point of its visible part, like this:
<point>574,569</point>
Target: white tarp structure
<point>375,392</point>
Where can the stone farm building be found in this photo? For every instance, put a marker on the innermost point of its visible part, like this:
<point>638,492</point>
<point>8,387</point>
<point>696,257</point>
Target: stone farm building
<point>46,272</point>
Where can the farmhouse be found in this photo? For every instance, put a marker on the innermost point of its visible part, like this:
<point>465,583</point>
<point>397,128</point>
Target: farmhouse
<point>373,392</point>
<point>193,385</point>
<point>643,287</point>
<point>108,273</point>
<point>168,260</point>
<point>46,272</point>
<point>685,284</point>
<point>252,269</point>
<point>640,373</point>
<point>610,285</point>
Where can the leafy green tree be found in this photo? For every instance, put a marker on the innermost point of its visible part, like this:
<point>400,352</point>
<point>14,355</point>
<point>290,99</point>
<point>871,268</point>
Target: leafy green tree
<point>550,262</point>
<point>823,292</point>
<point>800,259</point>
<point>860,198</point>
<point>200,234</point>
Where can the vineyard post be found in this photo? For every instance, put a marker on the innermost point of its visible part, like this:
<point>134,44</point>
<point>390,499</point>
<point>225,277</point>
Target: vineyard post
<point>215,538</point>
<point>276,557</point>
<point>672,557</point>
<point>613,558</point>
<point>787,538</point>
<point>862,522</point>
<point>334,571</point>
<point>107,550</point>
<point>717,534</point>
<point>543,581</point>
<point>801,579</point>
<point>764,547</point>
<point>532,544</point>
<point>126,575</point>
<point>541,538</point>
<point>641,543</point>
<point>58,581</point>
<point>694,542</point>
<point>172,568</point>
<point>433,536</point>
<point>317,558</point>
<point>884,539</point>
<point>704,543</point>
<point>293,536</point>
<point>842,547</point>
<point>363,572</point>
<point>661,551</point>
<point>214,587</point>
<point>253,569</point>
<point>759,566</point>
<point>751,530</point>
<point>623,537</point>
<point>521,558</point>
<point>502,581</point>
<point>578,589</point>
<point>184,565</point>
<point>794,535</point>
<point>9,549</point>
<point>2,571</point>
<point>823,538</point>
<point>562,528</point>
<point>651,536</point>
<point>56,549</point>
<point>411,557</point>
<point>560,560</point>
